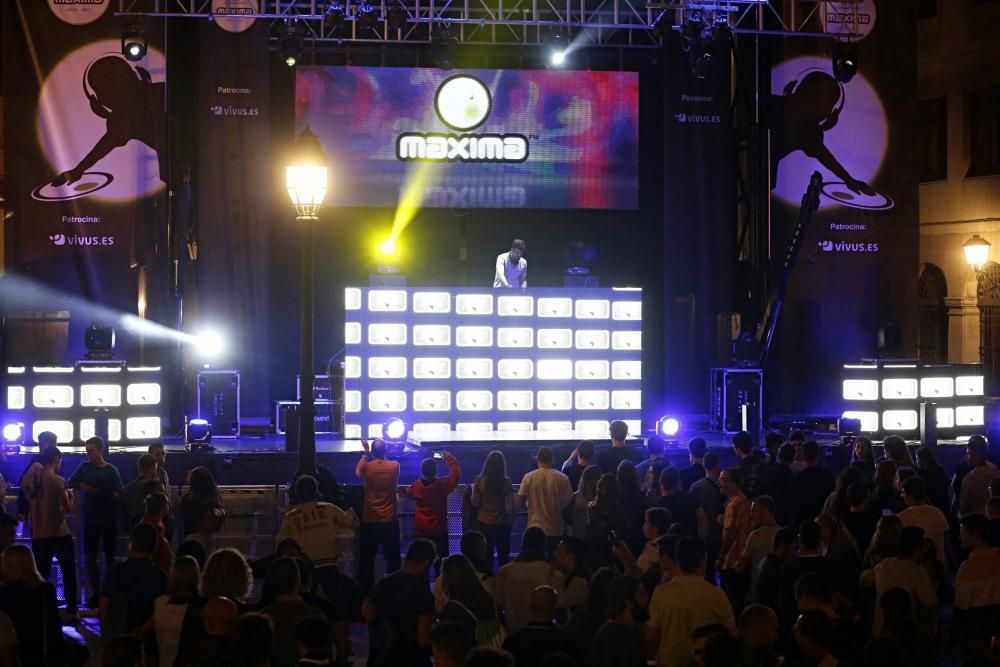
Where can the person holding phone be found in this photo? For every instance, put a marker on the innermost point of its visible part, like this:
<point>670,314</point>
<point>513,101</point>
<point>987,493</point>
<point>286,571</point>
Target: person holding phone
<point>431,497</point>
<point>379,518</point>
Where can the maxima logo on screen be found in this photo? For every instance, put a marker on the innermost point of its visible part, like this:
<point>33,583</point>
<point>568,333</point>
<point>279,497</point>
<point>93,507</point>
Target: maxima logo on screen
<point>463,103</point>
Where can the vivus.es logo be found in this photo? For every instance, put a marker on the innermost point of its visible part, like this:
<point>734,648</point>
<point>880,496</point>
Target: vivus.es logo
<point>698,118</point>
<point>219,110</point>
<point>463,103</point>
<point>847,246</point>
<point>80,240</point>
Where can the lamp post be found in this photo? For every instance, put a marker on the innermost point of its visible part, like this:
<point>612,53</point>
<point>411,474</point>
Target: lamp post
<point>977,252</point>
<point>306,182</point>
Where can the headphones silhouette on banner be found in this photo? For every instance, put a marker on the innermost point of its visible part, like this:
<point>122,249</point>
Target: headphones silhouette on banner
<point>99,109</point>
<point>834,116</point>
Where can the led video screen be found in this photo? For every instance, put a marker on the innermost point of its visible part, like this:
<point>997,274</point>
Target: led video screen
<point>558,139</point>
<point>477,360</point>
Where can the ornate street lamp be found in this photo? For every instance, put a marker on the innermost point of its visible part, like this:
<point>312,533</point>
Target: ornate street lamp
<point>977,252</point>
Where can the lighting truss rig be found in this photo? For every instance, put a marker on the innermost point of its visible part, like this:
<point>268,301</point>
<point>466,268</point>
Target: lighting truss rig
<point>604,23</point>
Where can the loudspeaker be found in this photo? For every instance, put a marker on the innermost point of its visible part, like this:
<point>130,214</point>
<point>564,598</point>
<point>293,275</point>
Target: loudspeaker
<point>928,424</point>
<point>290,416</point>
<point>219,402</point>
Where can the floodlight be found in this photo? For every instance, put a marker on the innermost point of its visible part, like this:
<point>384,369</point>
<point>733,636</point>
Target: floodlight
<point>199,431</point>
<point>13,433</point>
<point>388,247</point>
<point>845,61</point>
<point>365,17</point>
<point>334,16</point>
<point>668,426</point>
<point>209,344</point>
<point>558,57</point>
<point>290,45</point>
<point>134,43</point>
<point>394,430</point>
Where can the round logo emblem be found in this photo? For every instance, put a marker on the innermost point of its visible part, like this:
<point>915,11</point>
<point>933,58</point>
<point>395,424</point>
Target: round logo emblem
<point>848,17</point>
<point>234,15</point>
<point>462,102</point>
<point>79,12</point>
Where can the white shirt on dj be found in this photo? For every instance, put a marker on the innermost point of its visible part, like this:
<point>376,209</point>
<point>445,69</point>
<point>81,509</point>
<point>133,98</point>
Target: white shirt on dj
<point>516,274</point>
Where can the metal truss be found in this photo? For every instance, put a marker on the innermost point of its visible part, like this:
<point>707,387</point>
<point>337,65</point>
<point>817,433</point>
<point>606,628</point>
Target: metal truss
<point>588,23</point>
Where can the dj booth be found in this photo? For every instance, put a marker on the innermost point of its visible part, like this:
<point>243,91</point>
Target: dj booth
<point>450,360</point>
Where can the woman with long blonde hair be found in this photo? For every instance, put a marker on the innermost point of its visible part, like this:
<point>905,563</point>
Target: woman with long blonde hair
<point>176,614</point>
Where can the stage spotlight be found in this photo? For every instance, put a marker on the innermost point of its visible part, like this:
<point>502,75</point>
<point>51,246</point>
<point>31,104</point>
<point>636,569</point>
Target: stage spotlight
<point>290,45</point>
<point>394,431</point>
<point>558,58</point>
<point>134,43</point>
<point>13,433</point>
<point>99,339</point>
<point>396,16</point>
<point>209,344</point>
<point>845,61</point>
<point>366,16</point>
<point>692,30</point>
<point>668,427</point>
<point>388,247</point>
<point>199,431</point>
<point>334,16</point>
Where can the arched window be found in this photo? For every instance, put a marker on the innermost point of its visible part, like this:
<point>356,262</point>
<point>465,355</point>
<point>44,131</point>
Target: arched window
<point>932,335</point>
<point>988,298</point>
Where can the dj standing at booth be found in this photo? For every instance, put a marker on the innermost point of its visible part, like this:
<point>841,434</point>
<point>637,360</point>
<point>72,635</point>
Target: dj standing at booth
<point>512,267</point>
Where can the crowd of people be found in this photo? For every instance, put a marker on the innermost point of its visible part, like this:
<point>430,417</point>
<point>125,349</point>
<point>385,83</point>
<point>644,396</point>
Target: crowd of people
<point>626,560</point>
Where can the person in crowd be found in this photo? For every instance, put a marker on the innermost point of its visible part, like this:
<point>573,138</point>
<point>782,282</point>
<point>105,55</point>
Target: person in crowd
<point>683,508</point>
<point>570,576</point>
<point>451,644</point>
<point>809,487</point>
<point>839,547</point>
<point>772,443</point>
<point>976,484</point>
<point>702,637</point>
<point>46,439</point>
<point>493,498</point>
<point>883,495</point>
<point>333,613</point>
<point>30,603</point>
<point>780,475</point>
<point>430,495</point>
<point>760,539</point>
<point>468,603</point>
<point>657,523</point>
<point>655,445</point>
<point>124,651</point>
<point>709,496</point>
<point>863,457</point>
<point>813,592</point>
<point>227,574</point>
<point>935,478</point>
<point>399,611</point>
<point>379,518</point>
<point>547,493</point>
<point>215,645</point>
<point>193,549</point>
<point>159,454</point>
<point>860,521</point>
<point>919,513</point>
<point>977,597</point>
<point>314,643</point>
<point>312,524</point>
<point>685,602</point>
<point>48,503</point>
<point>768,575</point>
<point>540,638</point>
<point>618,452</point>
<point>904,571</point>
<point>735,531</point>
<point>895,450</point>
<point>758,636</point>
<point>697,448</point>
<point>963,468</point>
<point>130,507</point>
<point>253,640</point>
<point>585,494</point>
<point>885,541</point>
<point>836,503</point>
<point>287,611</point>
<point>813,633</point>
<point>526,572</point>
<point>633,501</point>
<point>992,515</point>
<point>809,560</point>
<point>473,547</point>
<point>8,530</point>
<point>156,507</point>
<point>101,485</point>
<point>901,627</point>
<point>619,642</point>
<point>753,469</point>
<point>202,513</point>
<point>796,439</point>
<point>581,457</point>
<point>132,587</point>
<point>903,473</point>
<point>177,613</point>
<point>607,524</point>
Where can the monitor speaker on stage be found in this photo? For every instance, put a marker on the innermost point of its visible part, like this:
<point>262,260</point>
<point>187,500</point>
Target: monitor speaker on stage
<point>219,402</point>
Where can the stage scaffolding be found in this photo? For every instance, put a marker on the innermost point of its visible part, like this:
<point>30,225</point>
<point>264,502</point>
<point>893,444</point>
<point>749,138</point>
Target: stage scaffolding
<point>596,23</point>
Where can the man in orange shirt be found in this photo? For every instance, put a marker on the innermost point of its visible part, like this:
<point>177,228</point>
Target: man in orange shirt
<point>379,520</point>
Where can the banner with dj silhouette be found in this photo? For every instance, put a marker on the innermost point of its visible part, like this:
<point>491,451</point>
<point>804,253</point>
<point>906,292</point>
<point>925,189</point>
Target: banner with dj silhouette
<point>86,138</point>
<point>857,271</point>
